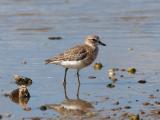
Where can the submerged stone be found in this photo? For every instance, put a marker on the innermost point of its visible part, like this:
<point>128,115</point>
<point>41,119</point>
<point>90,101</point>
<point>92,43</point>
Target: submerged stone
<point>55,38</point>
<point>110,85</point>
<point>43,108</point>
<point>142,81</point>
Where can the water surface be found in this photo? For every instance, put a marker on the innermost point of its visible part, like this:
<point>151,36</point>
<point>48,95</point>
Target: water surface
<point>25,26</point>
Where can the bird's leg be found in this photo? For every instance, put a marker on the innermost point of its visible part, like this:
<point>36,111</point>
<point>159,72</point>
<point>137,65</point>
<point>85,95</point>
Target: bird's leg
<point>64,83</point>
<point>78,84</point>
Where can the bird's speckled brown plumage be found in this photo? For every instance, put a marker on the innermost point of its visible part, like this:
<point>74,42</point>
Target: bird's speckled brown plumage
<point>84,53</point>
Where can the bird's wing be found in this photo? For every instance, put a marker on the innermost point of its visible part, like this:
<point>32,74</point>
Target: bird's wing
<point>72,54</point>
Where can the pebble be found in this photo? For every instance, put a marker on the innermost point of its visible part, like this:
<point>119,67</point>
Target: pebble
<point>116,109</point>
<point>91,77</point>
<point>142,112</point>
<point>97,66</point>
<point>121,75</point>
<point>8,115</point>
<point>113,78</point>
<point>152,96</point>
<point>155,112</point>
<point>146,103</point>
<point>110,85</point>
<point>134,117</point>
<point>111,73</point>
<point>55,38</point>
<point>43,108</point>
<point>127,107</point>
<point>21,80</point>
<point>132,70</point>
<point>27,109</point>
<point>130,49</point>
<point>116,103</point>
<point>157,102</point>
<point>142,81</point>
<point>122,69</point>
<point>24,62</point>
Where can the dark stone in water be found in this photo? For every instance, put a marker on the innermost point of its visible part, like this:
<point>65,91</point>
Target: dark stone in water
<point>91,77</point>
<point>110,85</point>
<point>142,81</point>
<point>122,69</point>
<point>146,103</point>
<point>127,107</point>
<point>152,96</point>
<point>1,117</point>
<point>6,94</point>
<point>116,103</point>
<point>43,108</point>
<point>157,102</point>
<point>121,75</point>
<point>55,38</point>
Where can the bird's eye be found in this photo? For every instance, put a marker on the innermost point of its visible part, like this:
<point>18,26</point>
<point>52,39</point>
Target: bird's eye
<point>94,40</point>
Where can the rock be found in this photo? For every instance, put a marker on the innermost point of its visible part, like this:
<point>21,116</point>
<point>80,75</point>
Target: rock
<point>111,73</point>
<point>122,69</point>
<point>131,70</point>
<point>146,103</point>
<point>152,96</point>
<point>97,66</point>
<point>142,112</point>
<point>21,80</point>
<point>27,109</point>
<point>155,112</point>
<point>8,115</point>
<point>24,62</point>
<point>113,78</point>
<point>110,85</point>
<point>142,81</point>
<point>121,76</point>
<point>55,38</point>
<point>91,77</point>
<point>130,49</point>
<point>127,107</point>
<point>134,117</point>
<point>116,103</point>
<point>6,94</point>
<point>157,102</point>
<point>43,108</point>
<point>1,117</point>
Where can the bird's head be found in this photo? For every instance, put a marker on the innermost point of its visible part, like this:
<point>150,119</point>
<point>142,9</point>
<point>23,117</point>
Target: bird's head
<point>93,41</point>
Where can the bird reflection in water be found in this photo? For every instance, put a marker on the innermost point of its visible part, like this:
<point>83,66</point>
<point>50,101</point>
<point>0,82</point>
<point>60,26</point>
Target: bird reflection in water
<point>21,96</point>
<point>72,106</point>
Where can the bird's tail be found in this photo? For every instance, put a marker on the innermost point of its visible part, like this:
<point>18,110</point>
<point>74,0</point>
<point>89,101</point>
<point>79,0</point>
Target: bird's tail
<point>51,61</point>
<point>47,61</point>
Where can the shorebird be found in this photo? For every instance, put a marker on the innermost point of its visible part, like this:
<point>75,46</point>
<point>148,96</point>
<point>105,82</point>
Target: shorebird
<point>77,57</point>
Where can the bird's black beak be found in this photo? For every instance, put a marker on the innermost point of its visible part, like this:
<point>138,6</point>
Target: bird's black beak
<point>101,43</point>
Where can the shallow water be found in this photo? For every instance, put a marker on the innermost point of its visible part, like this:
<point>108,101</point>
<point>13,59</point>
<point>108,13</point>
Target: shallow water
<point>25,26</point>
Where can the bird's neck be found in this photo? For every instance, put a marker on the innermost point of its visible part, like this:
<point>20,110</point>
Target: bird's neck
<point>93,47</point>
